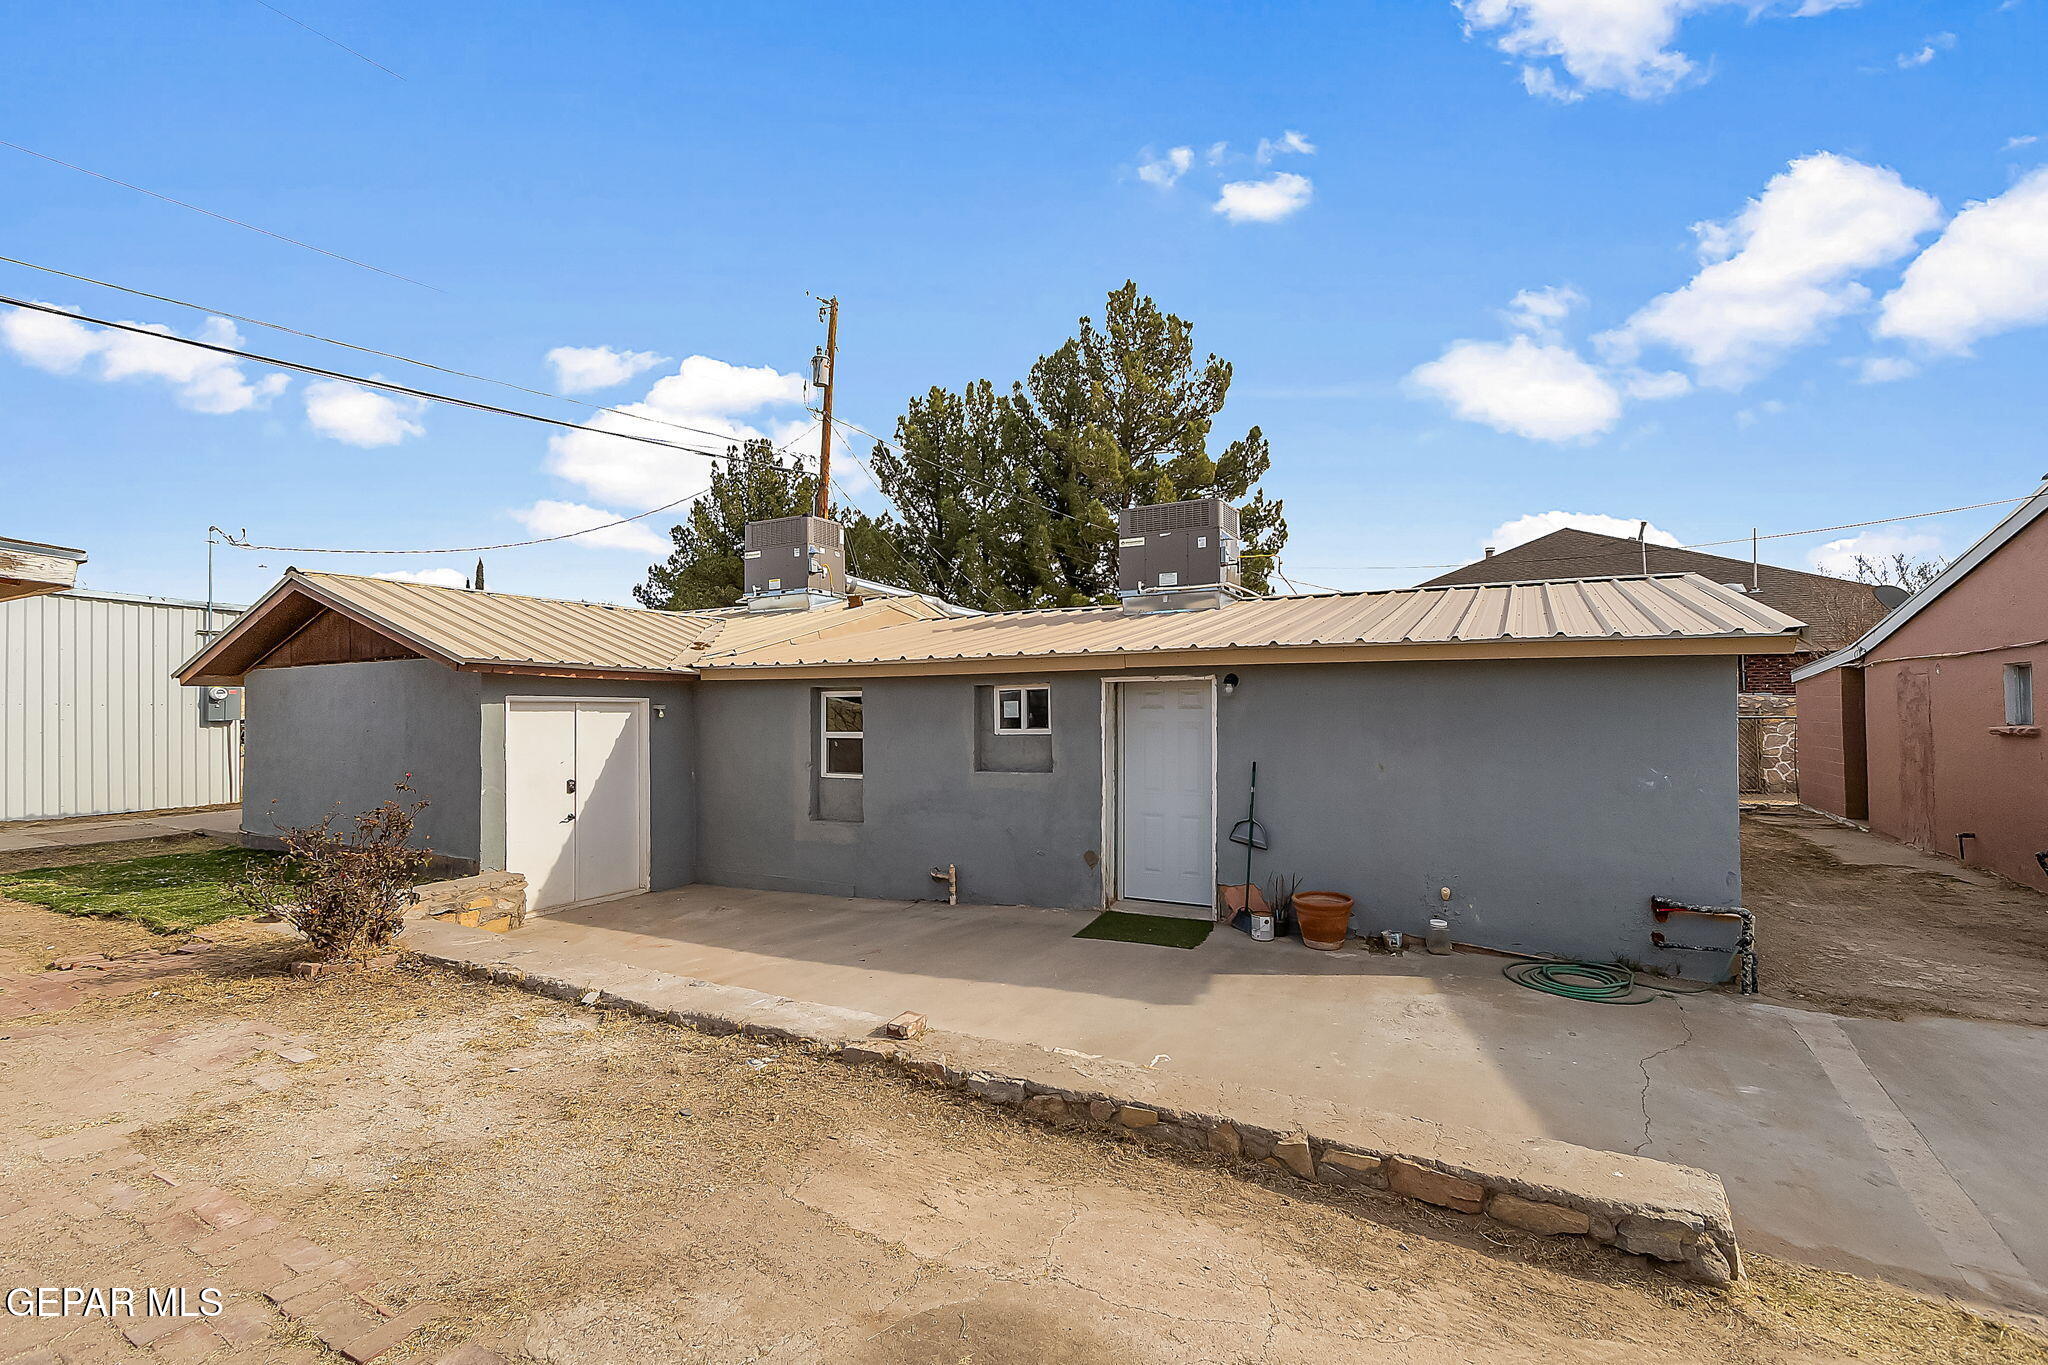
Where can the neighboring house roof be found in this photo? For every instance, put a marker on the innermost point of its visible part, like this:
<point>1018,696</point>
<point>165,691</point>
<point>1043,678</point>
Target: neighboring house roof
<point>1835,610</point>
<point>1660,614</point>
<point>29,568</point>
<point>2018,520</point>
<point>492,631</point>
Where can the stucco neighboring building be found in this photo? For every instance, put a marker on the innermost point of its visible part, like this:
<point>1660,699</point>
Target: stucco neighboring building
<point>1929,725</point>
<point>1551,755</point>
<point>1835,610</point>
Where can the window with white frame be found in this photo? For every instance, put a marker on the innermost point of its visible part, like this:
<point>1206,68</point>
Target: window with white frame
<point>842,734</point>
<point>2019,694</point>
<point>1023,710</point>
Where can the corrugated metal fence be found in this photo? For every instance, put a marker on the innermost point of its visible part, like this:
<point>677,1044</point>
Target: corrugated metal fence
<point>91,720</point>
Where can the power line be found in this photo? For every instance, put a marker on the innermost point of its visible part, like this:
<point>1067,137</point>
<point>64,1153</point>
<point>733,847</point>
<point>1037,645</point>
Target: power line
<point>324,38</point>
<point>367,350</point>
<point>1590,557</point>
<point>336,255</point>
<point>365,381</point>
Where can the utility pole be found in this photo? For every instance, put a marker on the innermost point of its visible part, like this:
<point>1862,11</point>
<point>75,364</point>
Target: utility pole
<point>825,375</point>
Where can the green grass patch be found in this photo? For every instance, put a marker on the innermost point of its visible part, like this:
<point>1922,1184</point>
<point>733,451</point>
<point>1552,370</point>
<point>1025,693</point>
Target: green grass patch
<point>1163,931</point>
<point>169,893</point>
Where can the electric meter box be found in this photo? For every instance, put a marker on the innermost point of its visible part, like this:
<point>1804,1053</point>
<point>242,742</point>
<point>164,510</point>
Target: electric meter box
<point>219,705</point>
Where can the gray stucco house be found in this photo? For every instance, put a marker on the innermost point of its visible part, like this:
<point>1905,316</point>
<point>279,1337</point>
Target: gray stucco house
<point>1552,753</point>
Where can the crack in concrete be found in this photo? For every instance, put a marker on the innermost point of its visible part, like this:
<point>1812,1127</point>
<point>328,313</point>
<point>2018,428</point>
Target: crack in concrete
<point>1645,1066</point>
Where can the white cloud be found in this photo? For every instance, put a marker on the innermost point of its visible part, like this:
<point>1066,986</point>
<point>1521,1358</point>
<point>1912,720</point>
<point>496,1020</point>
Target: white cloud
<point>1217,153</point>
<point>1986,274</point>
<point>1652,387</point>
<point>708,395</point>
<point>1509,534</point>
<point>580,369</point>
<point>1884,369</point>
<point>358,416</point>
<point>1927,51</point>
<point>201,381</point>
<point>1543,391</point>
<point>1749,417</point>
<point>1781,270</point>
<point>1167,169</point>
<point>2019,140</point>
<point>1570,47</point>
<point>439,578</point>
<point>1289,143</point>
<point>1540,312</point>
<point>1839,556</point>
<point>551,518</point>
<point>1264,201</point>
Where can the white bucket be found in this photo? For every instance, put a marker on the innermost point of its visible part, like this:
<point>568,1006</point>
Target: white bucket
<point>1262,928</point>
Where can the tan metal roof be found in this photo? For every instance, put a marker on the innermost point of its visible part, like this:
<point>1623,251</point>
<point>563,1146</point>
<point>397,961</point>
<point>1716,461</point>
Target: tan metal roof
<point>500,630</point>
<point>1660,613</point>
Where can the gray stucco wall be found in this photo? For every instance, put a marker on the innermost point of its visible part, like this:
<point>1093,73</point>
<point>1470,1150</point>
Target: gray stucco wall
<point>1553,797</point>
<point>337,736</point>
<point>672,817</point>
<point>1017,837</point>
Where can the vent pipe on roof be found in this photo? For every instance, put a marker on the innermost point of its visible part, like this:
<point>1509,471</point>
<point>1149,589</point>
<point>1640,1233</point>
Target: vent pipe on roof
<point>1489,552</point>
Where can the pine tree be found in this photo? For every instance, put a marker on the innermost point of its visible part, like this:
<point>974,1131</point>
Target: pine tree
<point>705,569</point>
<point>1011,500</point>
<point>1003,500</point>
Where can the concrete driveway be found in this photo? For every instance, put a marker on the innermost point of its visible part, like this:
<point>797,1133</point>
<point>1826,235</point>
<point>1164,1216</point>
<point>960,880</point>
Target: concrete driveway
<point>1909,1149</point>
<point>18,835</point>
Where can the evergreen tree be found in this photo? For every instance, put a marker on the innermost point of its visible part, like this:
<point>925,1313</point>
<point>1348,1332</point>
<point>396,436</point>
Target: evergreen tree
<point>1007,500</point>
<point>1011,500</point>
<point>705,569</point>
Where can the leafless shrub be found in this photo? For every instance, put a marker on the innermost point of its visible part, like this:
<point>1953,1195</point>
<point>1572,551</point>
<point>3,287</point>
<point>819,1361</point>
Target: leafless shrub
<point>346,890</point>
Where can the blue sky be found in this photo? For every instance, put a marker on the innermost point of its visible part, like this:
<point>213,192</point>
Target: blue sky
<point>1709,264</point>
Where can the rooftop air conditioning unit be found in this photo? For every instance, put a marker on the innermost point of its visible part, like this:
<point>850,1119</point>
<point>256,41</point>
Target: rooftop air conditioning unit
<point>794,563</point>
<point>1177,555</point>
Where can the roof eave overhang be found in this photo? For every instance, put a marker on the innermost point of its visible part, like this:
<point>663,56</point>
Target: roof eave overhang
<point>568,670</point>
<point>201,669</point>
<point>1548,648</point>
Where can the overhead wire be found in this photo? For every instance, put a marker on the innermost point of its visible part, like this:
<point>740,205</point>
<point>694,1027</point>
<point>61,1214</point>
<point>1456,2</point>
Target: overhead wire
<point>325,38</point>
<point>370,350</point>
<point>251,227</point>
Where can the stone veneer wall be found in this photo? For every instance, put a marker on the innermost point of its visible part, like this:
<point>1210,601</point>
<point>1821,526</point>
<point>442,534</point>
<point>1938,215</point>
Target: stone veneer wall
<point>489,895</point>
<point>1777,716</point>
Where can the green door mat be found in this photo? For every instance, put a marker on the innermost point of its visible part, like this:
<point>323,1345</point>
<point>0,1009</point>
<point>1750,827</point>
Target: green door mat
<point>1162,930</point>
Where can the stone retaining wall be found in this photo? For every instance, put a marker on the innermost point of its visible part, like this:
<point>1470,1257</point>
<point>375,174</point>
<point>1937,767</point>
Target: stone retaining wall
<point>1776,720</point>
<point>489,896</point>
<point>1674,1215</point>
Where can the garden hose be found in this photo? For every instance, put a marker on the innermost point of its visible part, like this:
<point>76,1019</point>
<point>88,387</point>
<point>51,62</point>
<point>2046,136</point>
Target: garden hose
<point>1603,983</point>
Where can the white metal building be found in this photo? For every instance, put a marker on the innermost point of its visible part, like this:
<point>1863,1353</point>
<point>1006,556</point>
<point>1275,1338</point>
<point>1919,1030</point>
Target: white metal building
<point>92,721</point>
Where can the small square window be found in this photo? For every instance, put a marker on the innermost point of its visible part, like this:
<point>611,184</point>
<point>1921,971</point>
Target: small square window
<point>842,734</point>
<point>1023,710</point>
<point>2019,694</point>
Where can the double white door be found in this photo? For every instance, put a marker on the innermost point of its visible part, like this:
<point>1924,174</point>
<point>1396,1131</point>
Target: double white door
<point>1166,788</point>
<point>576,798</point>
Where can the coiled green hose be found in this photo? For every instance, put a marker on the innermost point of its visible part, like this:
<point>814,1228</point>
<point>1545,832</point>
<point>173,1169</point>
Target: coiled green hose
<point>1603,983</point>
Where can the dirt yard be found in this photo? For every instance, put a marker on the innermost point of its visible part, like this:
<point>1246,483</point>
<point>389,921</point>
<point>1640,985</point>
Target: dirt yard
<point>478,1174</point>
<point>1888,940</point>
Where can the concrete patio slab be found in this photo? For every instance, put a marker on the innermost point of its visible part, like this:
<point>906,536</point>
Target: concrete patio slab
<point>1881,1177</point>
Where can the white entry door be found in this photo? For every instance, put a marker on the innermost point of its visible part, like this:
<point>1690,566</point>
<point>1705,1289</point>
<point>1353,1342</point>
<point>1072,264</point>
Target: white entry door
<point>1166,827</point>
<point>576,798</point>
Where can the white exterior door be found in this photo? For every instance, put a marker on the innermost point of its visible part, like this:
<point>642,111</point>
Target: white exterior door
<point>1166,826</point>
<point>576,798</point>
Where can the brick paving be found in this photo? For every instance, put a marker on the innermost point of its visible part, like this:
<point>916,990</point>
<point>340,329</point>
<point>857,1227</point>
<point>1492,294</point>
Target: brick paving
<point>89,1197</point>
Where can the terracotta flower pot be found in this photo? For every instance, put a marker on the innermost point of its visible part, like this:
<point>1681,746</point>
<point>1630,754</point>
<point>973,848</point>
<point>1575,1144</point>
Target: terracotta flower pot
<point>1324,917</point>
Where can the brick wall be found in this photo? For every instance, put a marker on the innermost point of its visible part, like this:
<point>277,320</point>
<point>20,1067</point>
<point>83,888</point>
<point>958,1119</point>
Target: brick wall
<point>1770,672</point>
